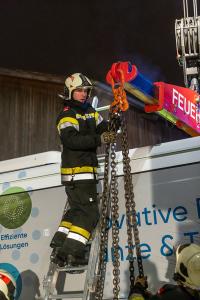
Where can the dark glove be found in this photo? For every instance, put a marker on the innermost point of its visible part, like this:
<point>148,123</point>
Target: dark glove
<point>139,289</point>
<point>108,137</point>
<point>142,281</point>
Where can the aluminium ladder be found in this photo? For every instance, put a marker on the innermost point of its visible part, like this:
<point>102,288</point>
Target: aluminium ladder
<point>51,284</point>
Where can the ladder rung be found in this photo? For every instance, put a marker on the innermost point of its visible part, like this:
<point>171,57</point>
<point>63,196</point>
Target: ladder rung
<point>67,295</point>
<point>69,268</point>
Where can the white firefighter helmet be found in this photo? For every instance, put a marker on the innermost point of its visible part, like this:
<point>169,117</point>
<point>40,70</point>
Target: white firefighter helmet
<point>76,81</point>
<point>7,284</point>
<point>188,265</point>
<point>4,289</point>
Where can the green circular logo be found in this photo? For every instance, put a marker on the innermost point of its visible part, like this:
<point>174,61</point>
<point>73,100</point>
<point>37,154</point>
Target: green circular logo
<point>16,206</point>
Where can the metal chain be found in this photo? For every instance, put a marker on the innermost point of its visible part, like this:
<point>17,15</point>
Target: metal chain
<point>131,221</point>
<point>130,204</point>
<point>105,200</point>
<point>127,187</point>
<point>115,226</point>
<point>101,272</point>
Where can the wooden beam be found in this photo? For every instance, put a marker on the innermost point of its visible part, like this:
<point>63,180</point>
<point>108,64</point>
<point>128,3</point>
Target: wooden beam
<point>32,76</point>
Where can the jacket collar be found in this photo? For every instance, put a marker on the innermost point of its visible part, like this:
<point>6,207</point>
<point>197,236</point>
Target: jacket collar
<point>76,104</point>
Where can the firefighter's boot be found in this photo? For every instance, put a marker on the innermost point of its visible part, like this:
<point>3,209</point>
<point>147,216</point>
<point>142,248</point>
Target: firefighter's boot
<point>72,253</point>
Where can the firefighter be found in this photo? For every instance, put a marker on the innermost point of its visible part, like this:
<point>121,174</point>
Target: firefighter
<point>187,276</point>
<point>81,131</point>
<point>7,286</point>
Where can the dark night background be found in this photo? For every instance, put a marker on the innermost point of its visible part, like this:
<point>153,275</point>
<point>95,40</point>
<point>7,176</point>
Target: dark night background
<point>62,37</point>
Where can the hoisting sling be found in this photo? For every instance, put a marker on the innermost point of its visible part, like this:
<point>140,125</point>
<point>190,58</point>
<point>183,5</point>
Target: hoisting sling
<point>110,194</point>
